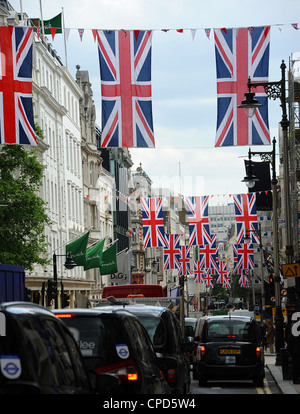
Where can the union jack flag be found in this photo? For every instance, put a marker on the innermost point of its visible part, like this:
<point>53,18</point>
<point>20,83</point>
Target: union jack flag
<point>125,69</point>
<point>199,271</point>
<point>209,252</point>
<point>184,261</point>
<point>197,209</point>
<point>208,279</point>
<point>222,272</point>
<point>241,53</point>
<point>172,251</point>
<point>243,280</point>
<point>245,257</point>
<point>227,281</point>
<point>16,113</point>
<point>245,215</point>
<point>153,222</point>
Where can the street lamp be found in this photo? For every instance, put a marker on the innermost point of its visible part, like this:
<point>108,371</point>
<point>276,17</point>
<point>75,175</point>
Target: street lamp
<point>276,90</point>
<point>279,337</point>
<point>69,264</point>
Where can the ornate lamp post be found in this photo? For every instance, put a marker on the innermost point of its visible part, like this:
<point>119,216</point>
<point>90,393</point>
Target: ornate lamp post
<point>69,264</point>
<point>279,337</point>
<point>276,90</point>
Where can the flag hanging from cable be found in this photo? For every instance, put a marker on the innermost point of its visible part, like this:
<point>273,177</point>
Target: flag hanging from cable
<point>241,53</point>
<point>125,70</point>
<point>184,260</point>
<point>172,251</point>
<point>197,209</point>
<point>246,216</point>
<point>153,222</point>
<point>16,113</point>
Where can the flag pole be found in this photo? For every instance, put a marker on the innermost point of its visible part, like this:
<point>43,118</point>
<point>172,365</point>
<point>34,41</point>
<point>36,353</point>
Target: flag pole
<point>69,241</point>
<point>42,20</point>
<point>21,7</point>
<point>65,40</point>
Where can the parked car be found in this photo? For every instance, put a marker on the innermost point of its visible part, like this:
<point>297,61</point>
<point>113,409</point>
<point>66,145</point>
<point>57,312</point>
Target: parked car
<point>38,355</point>
<point>114,341</point>
<point>228,347</point>
<point>164,331</point>
<point>189,332</point>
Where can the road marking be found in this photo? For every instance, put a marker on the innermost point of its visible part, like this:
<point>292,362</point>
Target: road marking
<point>265,389</point>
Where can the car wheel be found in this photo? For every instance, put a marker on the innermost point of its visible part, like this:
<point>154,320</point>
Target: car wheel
<point>258,380</point>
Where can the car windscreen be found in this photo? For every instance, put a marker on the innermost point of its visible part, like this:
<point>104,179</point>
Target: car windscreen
<point>97,336</point>
<point>230,330</point>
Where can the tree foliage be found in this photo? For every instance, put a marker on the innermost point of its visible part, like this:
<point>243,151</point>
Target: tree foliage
<point>22,212</point>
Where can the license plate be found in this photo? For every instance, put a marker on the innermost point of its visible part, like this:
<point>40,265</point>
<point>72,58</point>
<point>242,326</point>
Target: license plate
<point>230,352</point>
<point>229,359</point>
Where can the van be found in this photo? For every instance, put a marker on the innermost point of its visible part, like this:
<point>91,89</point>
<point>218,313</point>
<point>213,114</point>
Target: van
<point>134,290</point>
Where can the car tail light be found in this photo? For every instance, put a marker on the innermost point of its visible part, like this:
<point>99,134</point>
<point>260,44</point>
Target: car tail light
<point>65,315</point>
<point>201,351</point>
<point>258,353</point>
<point>125,370</point>
<point>171,375</point>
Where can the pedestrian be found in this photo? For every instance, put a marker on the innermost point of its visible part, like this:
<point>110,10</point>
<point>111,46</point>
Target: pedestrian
<point>263,331</point>
<point>270,336</point>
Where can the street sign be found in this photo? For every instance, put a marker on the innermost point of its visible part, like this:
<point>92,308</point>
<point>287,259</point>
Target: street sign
<point>291,270</point>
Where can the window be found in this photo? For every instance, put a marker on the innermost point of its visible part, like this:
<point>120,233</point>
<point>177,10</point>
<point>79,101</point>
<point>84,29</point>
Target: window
<point>230,330</point>
<point>49,355</point>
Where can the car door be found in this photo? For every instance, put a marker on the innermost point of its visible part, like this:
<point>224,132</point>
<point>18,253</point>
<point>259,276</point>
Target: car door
<point>183,372</point>
<point>66,358</point>
<point>153,382</point>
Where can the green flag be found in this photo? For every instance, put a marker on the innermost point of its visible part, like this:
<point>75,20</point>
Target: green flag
<point>54,23</point>
<point>109,261</point>
<point>77,248</point>
<point>93,256</point>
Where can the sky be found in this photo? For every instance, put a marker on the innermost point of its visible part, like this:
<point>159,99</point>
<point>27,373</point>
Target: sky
<point>184,100</point>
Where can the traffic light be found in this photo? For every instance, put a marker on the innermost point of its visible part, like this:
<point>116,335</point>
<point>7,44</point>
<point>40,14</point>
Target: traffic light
<point>51,291</point>
<point>271,279</point>
<point>65,300</point>
<point>36,297</point>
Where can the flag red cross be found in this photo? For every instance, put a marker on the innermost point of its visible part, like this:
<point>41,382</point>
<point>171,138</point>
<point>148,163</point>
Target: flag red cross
<point>237,84</point>
<point>126,88</point>
<point>10,86</point>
